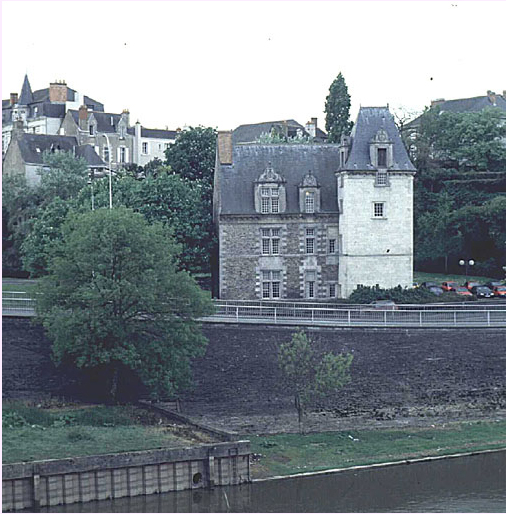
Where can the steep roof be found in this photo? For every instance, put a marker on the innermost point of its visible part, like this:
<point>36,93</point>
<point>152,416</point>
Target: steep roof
<point>476,104</point>
<point>292,162</point>
<point>26,96</point>
<point>32,147</point>
<point>369,121</point>
<point>106,121</point>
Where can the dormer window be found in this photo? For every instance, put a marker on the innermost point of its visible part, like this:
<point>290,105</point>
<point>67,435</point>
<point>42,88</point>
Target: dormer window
<point>92,130</point>
<point>381,150</point>
<point>270,194</point>
<point>309,194</point>
<point>382,157</point>
<point>310,202</point>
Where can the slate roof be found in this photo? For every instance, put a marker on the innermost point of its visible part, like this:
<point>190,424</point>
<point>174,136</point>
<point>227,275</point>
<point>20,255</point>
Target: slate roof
<point>155,133</point>
<point>293,162</point>
<point>26,96</point>
<point>476,104</point>
<point>369,121</point>
<point>103,120</point>
<point>251,132</point>
<point>32,146</point>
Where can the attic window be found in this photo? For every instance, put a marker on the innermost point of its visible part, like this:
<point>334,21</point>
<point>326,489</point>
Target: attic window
<point>92,130</point>
<point>382,157</point>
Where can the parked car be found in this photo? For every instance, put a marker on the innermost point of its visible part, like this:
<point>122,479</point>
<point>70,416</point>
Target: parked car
<point>470,284</point>
<point>495,283</point>
<point>386,305</point>
<point>499,291</point>
<point>482,292</point>
<point>436,290</point>
<point>449,286</point>
<point>462,291</point>
<point>428,284</point>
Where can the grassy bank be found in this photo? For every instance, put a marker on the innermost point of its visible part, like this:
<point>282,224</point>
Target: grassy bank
<point>292,453</point>
<point>31,433</point>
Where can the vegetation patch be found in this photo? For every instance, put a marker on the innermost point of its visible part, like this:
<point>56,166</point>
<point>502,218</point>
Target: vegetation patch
<point>287,454</point>
<point>44,432</point>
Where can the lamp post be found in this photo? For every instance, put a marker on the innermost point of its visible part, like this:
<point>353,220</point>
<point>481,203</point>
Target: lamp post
<point>470,262</point>
<point>91,175</point>
<point>110,170</point>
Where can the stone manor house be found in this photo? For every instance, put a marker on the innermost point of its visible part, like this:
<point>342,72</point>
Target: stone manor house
<point>314,220</point>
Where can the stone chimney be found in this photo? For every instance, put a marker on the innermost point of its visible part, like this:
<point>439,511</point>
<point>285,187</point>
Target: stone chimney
<point>14,98</point>
<point>225,147</point>
<point>311,127</point>
<point>58,92</point>
<point>438,101</point>
<point>83,117</point>
<point>492,98</point>
<point>126,116</point>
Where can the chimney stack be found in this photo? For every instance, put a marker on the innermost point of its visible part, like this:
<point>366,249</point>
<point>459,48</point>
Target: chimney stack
<point>311,127</point>
<point>58,92</point>
<point>492,98</point>
<point>14,98</point>
<point>83,117</point>
<point>225,147</point>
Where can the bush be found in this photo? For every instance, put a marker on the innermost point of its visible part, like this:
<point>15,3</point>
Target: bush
<point>30,415</point>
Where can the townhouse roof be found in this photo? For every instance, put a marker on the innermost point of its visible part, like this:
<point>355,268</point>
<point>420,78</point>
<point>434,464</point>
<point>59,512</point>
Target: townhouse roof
<point>106,121</point>
<point>249,133</point>
<point>155,133</point>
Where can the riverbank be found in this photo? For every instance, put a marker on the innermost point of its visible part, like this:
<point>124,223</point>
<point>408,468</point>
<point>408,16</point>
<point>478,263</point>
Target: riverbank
<point>288,454</point>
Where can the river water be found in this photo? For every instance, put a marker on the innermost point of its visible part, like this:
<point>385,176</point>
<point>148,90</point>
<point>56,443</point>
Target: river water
<point>474,483</point>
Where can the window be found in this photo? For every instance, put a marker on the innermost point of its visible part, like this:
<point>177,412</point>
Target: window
<point>271,284</point>
<point>332,290</point>
<point>106,153</point>
<point>379,209</point>
<point>381,178</point>
<point>144,148</point>
<point>270,241</point>
<point>310,284</point>
<point>382,157</point>
<point>92,130</point>
<point>269,200</point>
<point>332,246</point>
<point>309,202</point>
<point>310,235</point>
<point>122,154</point>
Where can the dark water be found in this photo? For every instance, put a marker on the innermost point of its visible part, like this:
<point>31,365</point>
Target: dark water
<point>465,484</point>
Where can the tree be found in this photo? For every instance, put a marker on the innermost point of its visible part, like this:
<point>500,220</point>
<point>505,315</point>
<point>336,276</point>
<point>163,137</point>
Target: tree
<point>114,303</point>
<point>310,377</point>
<point>337,110</point>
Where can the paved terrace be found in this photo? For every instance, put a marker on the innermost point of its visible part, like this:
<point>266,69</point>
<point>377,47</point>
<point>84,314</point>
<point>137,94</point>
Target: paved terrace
<point>472,314</point>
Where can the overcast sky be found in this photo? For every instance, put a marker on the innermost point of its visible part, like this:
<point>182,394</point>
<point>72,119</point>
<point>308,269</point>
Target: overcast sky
<point>225,63</point>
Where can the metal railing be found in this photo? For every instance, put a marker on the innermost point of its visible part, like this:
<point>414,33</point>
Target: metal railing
<point>307,313</point>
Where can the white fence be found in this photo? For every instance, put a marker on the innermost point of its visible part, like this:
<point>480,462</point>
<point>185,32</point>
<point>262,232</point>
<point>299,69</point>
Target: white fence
<point>474,314</point>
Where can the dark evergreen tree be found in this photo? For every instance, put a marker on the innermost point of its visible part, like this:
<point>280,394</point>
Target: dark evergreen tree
<point>337,110</point>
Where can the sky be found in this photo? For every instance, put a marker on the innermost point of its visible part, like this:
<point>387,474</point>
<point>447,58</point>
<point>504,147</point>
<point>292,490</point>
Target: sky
<point>226,63</point>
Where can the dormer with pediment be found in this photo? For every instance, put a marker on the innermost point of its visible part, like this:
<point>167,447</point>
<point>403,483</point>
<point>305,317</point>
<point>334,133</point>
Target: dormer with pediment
<point>309,194</point>
<point>381,150</point>
<point>270,192</point>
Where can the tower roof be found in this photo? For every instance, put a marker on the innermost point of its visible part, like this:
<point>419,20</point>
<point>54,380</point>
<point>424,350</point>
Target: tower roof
<point>26,96</point>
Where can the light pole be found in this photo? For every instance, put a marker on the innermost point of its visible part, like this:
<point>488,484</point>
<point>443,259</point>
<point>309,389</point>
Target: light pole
<point>110,170</point>
<point>470,262</point>
<point>91,175</point>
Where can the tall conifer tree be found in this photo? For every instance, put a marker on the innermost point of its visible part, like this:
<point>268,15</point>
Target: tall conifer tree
<point>337,110</point>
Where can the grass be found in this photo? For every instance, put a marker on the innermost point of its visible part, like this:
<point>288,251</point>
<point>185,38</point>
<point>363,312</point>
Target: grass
<point>420,277</point>
<point>293,453</point>
<point>31,433</point>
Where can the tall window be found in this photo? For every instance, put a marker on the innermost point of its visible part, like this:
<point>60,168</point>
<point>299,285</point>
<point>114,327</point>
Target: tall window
<point>379,209</point>
<point>269,199</point>
<point>332,290</point>
<point>382,157</point>
<point>381,178</point>
<point>310,237</point>
<point>92,130</point>
<point>309,202</point>
<point>144,148</point>
<point>332,246</point>
<point>310,284</point>
<point>122,154</point>
<point>270,241</point>
<point>106,153</point>
<point>271,284</point>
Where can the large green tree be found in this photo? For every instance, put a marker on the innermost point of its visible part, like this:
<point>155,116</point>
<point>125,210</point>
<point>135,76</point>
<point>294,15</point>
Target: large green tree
<point>114,303</point>
<point>308,376</point>
<point>337,110</point>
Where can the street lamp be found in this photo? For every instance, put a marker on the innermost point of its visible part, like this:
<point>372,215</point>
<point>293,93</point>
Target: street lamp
<point>91,175</point>
<point>110,170</point>
<point>470,262</point>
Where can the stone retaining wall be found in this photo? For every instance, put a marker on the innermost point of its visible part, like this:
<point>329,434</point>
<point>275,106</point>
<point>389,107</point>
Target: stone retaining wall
<point>83,479</point>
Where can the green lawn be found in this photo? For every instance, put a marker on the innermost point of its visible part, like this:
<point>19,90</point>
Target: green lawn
<point>31,433</point>
<point>292,453</point>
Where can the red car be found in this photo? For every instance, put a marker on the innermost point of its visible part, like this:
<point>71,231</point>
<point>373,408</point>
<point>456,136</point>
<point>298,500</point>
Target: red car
<point>499,291</point>
<point>449,286</point>
<point>462,291</point>
<point>470,284</point>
